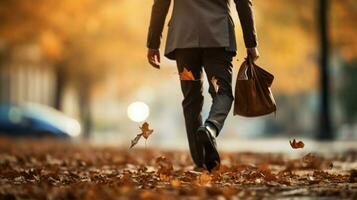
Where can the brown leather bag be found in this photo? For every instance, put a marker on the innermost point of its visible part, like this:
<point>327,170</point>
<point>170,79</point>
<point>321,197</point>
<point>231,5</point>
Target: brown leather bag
<point>253,96</point>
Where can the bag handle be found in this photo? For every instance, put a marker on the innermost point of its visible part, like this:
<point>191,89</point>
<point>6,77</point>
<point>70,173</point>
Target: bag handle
<point>251,65</point>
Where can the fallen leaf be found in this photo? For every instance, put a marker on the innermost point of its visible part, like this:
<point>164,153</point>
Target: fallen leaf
<point>314,162</point>
<point>309,158</point>
<point>186,75</point>
<point>214,83</point>
<point>175,183</point>
<point>204,178</point>
<point>229,191</point>
<point>164,177</point>
<point>147,194</point>
<point>353,176</point>
<point>296,145</point>
<point>165,166</point>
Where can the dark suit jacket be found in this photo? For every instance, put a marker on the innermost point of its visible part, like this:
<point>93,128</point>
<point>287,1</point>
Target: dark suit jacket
<point>200,23</point>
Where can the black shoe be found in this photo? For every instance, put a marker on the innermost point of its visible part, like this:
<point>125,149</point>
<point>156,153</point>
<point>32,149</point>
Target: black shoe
<point>207,138</point>
<point>198,152</point>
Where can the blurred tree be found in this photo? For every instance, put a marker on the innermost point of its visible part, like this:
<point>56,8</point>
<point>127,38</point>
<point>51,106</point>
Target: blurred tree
<point>347,92</point>
<point>77,37</point>
<point>325,126</point>
<point>287,43</point>
<point>343,29</point>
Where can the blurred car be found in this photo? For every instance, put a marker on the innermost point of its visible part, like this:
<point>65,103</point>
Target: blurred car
<point>36,120</point>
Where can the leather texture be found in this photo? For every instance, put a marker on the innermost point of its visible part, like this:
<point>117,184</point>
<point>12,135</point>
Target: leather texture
<point>200,24</point>
<point>253,96</point>
<point>207,140</point>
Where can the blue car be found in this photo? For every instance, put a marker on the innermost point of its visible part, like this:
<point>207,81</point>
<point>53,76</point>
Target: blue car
<point>35,120</point>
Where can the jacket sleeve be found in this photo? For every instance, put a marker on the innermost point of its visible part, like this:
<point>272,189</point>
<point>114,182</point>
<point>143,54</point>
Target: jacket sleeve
<point>158,15</point>
<point>246,17</point>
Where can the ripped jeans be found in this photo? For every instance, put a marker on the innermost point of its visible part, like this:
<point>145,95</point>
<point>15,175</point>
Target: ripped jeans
<point>217,63</point>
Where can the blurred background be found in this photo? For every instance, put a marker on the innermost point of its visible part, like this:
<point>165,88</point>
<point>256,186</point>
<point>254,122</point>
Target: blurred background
<point>77,69</point>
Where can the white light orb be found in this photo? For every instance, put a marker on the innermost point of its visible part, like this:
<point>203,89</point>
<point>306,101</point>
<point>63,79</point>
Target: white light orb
<point>138,111</point>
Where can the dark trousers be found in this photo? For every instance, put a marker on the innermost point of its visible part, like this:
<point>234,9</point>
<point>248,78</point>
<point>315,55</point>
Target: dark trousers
<point>217,63</point>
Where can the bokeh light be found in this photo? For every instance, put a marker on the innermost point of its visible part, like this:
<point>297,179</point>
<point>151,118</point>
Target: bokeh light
<point>138,111</point>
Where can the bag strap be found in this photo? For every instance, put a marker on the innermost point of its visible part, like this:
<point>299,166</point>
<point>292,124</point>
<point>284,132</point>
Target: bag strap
<point>251,65</point>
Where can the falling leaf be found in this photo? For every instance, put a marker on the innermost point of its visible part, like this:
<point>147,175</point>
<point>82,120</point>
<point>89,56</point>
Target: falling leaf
<point>214,83</point>
<point>296,145</point>
<point>145,130</point>
<point>135,140</point>
<point>186,75</point>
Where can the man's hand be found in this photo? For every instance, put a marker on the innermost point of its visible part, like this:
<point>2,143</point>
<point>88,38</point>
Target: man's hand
<point>154,58</point>
<point>253,53</point>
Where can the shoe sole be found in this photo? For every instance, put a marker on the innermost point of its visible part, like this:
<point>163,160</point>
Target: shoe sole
<point>211,156</point>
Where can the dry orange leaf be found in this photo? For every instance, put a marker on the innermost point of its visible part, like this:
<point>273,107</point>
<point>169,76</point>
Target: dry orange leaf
<point>164,177</point>
<point>145,132</point>
<point>175,183</point>
<point>186,75</point>
<point>214,83</point>
<point>204,178</point>
<point>296,145</point>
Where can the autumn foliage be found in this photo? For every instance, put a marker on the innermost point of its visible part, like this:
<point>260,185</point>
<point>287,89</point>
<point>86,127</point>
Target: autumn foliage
<point>58,170</point>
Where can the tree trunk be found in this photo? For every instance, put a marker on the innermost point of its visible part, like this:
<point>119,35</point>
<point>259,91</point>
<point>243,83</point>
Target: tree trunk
<point>4,77</point>
<point>59,86</point>
<point>325,130</point>
<point>85,109</point>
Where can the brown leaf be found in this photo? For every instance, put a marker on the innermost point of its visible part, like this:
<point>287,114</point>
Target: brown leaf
<point>145,130</point>
<point>147,194</point>
<point>165,166</point>
<point>186,75</point>
<point>314,162</point>
<point>135,140</point>
<point>296,145</point>
<point>353,176</point>
<point>204,178</point>
<point>214,83</point>
<point>175,183</point>
<point>229,191</point>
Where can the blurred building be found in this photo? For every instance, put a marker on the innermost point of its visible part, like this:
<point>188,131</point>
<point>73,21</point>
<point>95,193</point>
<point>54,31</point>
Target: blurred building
<point>26,78</point>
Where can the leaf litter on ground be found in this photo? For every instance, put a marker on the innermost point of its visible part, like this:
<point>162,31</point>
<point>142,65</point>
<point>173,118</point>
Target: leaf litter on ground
<point>58,170</point>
